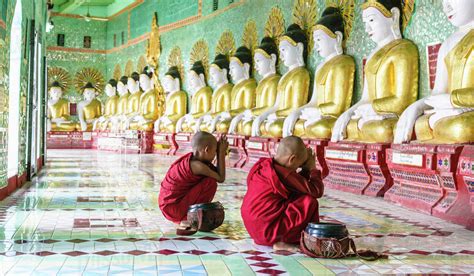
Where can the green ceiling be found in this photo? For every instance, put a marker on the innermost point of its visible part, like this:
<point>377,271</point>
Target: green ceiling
<point>98,8</point>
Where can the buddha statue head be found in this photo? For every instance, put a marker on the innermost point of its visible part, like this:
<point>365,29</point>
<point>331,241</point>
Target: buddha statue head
<point>122,88</point>
<point>196,77</point>
<point>172,80</point>
<point>459,12</point>
<point>328,34</point>
<point>111,88</point>
<point>133,83</point>
<point>89,92</point>
<point>56,91</point>
<point>382,20</point>
<point>293,47</point>
<point>145,78</point>
<point>266,57</point>
<point>219,71</point>
<point>240,65</point>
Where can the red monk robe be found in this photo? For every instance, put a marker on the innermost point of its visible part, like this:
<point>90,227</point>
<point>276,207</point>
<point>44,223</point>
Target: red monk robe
<point>280,203</point>
<point>181,188</point>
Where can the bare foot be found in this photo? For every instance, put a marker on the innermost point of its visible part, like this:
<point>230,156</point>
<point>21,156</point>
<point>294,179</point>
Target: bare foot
<point>184,224</point>
<point>286,247</point>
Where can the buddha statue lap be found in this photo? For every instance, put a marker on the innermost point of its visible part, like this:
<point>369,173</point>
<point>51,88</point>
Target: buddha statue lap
<point>333,85</point>
<point>148,110</point>
<point>243,92</point>
<point>221,98</point>
<point>176,102</point>
<point>265,58</point>
<point>292,88</point>
<point>110,108</point>
<point>447,115</point>
<point>133,101</point>
<point>201,98</point>
<point>122,89</point>
<point>58,111</point>
<point>391,78</point>
<point>90,109</point>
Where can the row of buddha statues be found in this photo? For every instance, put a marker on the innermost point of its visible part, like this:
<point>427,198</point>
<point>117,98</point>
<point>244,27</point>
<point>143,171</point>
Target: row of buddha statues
<point>279,106</point>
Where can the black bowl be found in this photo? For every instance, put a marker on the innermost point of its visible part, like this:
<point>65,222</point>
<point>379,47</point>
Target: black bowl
<point>205,206</point>
<point>327,230</point>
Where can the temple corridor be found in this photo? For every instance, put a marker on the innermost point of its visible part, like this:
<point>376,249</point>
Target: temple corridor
<point>96,213</point>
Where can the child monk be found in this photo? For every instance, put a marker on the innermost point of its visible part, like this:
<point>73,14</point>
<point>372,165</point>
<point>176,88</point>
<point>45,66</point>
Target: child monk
<point>280,202</point>
<point>192,179</point>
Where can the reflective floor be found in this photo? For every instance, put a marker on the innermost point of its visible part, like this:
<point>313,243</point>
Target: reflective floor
<point>96,213</point>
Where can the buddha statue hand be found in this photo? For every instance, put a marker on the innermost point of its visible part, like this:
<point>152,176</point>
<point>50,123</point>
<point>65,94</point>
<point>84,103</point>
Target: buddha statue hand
<point>224,116</point>
<point>439,101</point>
<point>340,127</point>
<point>406,122</point>
<point>247,115</point>
<point>197,124</point>
<point>290,121</point>
<point>259,120</point>
<point>235,122</point>
<point>83,125</point>
<point>311,115</point>
<point>448,112</point>
<point>270,119</point>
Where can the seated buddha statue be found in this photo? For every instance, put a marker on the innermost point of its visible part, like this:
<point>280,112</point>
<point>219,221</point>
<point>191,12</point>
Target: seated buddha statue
<point>333,84</point>
<point>292,90</point>
<point>265,58</point>
<point>201,97</point>
<point>110,108</point>
<point>243,92</point>
<point>90,109</point>
<point>176,102</point>
<point>390,82</point>
<point>58,110</point>
<point>221,98</point>
<point>134,99</point>
<point>447,115</point>
<point>148,111</point>
<point>122,89</point>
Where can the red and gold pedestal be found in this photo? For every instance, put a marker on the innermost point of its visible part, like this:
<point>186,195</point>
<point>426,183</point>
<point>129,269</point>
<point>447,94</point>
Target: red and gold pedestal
<point>237,156</point>
<point>380,179</point>
<point>258,147</point>
<point>109,141</point>
<point>165,143</point>
<point>183,140</point>
<point>70,140</point>
<point>318,147</point>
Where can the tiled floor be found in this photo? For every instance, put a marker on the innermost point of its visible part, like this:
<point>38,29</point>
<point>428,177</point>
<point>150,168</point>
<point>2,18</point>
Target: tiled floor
<point>96,213</point>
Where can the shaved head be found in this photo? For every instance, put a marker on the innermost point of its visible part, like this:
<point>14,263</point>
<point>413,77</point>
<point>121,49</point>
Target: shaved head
<point>291,145</point>
<point>203,139</point>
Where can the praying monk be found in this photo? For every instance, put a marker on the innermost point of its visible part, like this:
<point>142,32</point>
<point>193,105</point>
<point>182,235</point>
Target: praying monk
<point>192,179</point>
<point>280,202</point>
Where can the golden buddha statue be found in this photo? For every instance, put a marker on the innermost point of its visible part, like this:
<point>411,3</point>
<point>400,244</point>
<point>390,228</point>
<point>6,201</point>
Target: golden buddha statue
<point>265,58</point>
<point>221,98</point>
<point>333,85</point>
<point>58,110</point>
<point>201,98</point>
<point>176,102</point>
<point>391,78</point>
<point>134,99</point>
<point>116,120</point>
<point>90,109</point>
<point>110,108</point>
<point>243,92</point>
<point>292,88</point>
<point>447,115</point>
<point>148,110</point>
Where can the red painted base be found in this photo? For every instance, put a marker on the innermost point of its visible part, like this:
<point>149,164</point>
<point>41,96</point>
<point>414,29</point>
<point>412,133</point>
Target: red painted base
<point>70,140</point>
<point>130,141</point>
<point>380,179</point>
<point>237,156</point>
<point>183,140</point>
<point>258,147</point>
<point>165,143</point>
<point>318,147</point>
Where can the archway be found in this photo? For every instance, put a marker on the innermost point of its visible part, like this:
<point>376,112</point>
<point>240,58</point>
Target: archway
<point>14,91</point>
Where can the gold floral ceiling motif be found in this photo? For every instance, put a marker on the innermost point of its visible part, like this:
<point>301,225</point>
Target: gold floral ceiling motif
<point>117,72</point>
<point>275,25</point>
<point>250,36</point>
<point>60,75</point>
<point>347,10</point>
<point>226,44</point>
<point>174,59</point>
<point>304,14</point>
<point>128,68</point>
<point>91,75</point>
<point>200,52</point>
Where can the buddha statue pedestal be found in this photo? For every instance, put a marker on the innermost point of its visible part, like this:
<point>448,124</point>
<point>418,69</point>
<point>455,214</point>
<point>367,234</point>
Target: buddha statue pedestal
<point>237,156</point>
<point>434,179</point>
<point>71,140</point>
<point>165,143</point>
<point>318,146</point>
<point>183,142</point>
<point>258,147</point>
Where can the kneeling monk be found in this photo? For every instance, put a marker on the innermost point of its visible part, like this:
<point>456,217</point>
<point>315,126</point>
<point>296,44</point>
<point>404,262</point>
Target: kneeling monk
<point>192,179</point>
<point>280,202</point>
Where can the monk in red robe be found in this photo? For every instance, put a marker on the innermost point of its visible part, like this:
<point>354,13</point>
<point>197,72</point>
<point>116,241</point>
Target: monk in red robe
<point>280,202</point>
<point>192,179</point>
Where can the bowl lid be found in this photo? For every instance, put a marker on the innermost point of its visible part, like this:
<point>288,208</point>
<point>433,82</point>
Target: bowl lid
<point>327,225</point>
<point>206,206</point>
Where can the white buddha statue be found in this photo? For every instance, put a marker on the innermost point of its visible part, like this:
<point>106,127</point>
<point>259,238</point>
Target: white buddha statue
<point>58,110</point>
<point>90,109</point>
<point>447,115</point>
<point>122,89</point>
<point>134,100</point>
<point>110,108</point>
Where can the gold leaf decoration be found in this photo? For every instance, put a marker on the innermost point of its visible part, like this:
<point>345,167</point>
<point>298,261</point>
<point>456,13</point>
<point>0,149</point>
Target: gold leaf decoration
<point>174,59</point>
<point>154,45</point>
<point>304,14</point>
<point>275,25</point>
<point>250,36</point>
<point>128,68</point>
<point>347,10</point>
<point>117,72</point>
<point>200,52</point>
<point>226,44</point>
<point>408,9</point>
<point>60,75</point>
<point>141,64</point>
<point>91,75</point>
